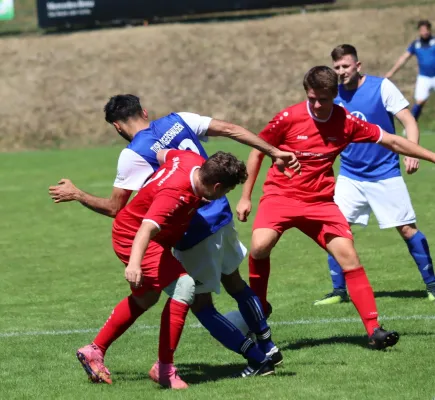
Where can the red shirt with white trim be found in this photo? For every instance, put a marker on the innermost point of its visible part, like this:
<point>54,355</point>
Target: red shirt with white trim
<point>316,143</point>
<point>167,199</point>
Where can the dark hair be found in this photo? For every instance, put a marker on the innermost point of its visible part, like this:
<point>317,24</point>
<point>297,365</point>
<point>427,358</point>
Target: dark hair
<point>223,168</point>
<point>321,77</point>
<point>343,50</point>
<point>122,107</point>
<point>424,22</point>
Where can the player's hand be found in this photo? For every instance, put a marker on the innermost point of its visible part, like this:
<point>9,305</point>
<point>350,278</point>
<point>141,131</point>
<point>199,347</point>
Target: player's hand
<point>285,160</point>
<point>133,275</point>
<point>411,164</point>
<point>243,209</point>
<point>64,191</point>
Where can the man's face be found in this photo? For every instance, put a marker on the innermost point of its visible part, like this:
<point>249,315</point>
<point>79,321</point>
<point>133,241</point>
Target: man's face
<point>425,32</point>
<point>321,102</point>
<point>347,69</point>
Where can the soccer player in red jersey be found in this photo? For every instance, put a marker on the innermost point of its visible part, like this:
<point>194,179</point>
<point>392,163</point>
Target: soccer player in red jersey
<point>144,233</point>
<point>316,130</point>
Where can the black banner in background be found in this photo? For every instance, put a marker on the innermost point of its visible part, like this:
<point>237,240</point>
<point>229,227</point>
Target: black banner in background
<point>58,13</point>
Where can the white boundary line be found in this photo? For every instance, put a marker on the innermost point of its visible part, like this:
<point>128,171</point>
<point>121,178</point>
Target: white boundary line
<point>4,335</point>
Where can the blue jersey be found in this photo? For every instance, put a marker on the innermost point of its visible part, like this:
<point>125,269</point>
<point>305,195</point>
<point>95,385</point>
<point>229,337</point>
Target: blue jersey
<point>424,50</point>
<point>172,132</point>
<point>375,101</point>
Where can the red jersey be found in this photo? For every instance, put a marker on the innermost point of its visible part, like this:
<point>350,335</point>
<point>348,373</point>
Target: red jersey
<point>167,199</point>
<point>316,144</point>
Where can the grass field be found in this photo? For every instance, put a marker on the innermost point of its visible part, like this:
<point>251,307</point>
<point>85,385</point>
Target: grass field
<point>60,281</point>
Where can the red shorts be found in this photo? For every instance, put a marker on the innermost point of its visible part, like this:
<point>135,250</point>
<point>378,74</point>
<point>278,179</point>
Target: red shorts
<point>316,220</point>
<point>159,266</point>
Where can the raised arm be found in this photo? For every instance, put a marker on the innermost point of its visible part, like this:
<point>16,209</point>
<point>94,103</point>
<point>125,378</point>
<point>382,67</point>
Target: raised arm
<point>403,146</point>
<point>399,64</point>
<point>66,191</point>
<point>282,159</point>
<point>253,166</point>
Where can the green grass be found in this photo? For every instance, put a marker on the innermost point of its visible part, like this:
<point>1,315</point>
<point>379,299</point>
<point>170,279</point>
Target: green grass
<point>59,273</point>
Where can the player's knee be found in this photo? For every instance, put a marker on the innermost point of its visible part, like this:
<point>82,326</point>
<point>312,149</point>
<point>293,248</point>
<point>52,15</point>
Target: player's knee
<point>261,248</point>
<point>147,300</point>
<point>201,301</point>
<point>233,283</point>
<point>407,231</point>
<point>182,289</point>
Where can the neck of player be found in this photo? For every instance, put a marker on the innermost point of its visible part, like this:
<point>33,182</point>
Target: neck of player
<point>355,83</point>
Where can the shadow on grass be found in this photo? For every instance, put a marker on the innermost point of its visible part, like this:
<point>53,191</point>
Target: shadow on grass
<point>404,294</point>
<point>197,373</point>
<point>304,343</point>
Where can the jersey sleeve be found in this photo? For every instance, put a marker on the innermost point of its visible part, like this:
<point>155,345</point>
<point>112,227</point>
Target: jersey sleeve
<point>133,171</point>
<point>169,208</point>
<point>363,131</point>
<point>199,124</point>
<point>274,130</point>
<point>411,48</point>
<point>392,98</point>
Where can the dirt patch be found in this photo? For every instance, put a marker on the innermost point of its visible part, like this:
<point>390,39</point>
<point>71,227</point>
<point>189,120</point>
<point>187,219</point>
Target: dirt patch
<point>54,87</point>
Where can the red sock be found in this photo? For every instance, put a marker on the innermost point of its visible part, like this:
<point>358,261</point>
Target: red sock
<point>122,317</point>
<point>363,298</point>
<point>171,327</point>
<point>259,271</point>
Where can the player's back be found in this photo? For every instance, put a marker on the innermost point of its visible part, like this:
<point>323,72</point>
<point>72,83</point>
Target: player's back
<point>173,181</point>
<point>369,161</point>
<point>424,50</point>
<point>173,132</point>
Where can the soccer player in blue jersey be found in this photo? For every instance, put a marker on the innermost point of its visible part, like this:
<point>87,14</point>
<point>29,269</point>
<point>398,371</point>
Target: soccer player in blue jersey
<point>424,50</point>
<point>370,179</point>
<point>210,251</point>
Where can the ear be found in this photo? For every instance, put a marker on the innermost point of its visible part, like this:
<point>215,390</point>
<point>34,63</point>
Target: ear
<point>117,126</point>
<point>145,113</point>
<point>217,187</point>
<point>358,66</point>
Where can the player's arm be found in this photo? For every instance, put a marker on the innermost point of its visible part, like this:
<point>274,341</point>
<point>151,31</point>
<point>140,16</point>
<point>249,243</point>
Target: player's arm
<point>66,191</point>
<point>413,135</point>
<point>161,156</point>
<point>133,271</point>
<point>282,159</point>
<point>399,64</point>
<point>403,146</point>
<point>253,166</point>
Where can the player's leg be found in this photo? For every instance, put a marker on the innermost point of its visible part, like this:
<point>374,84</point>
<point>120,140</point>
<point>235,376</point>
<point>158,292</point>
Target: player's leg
<point>233,253</point>
<point>231,337</point>
<point>350,198</point>
<point>360,291</point>
<point>122,317</point>
<point>398,212</point>
<point>204,263</point>
<point>421,95</point>
<point>181,293</point>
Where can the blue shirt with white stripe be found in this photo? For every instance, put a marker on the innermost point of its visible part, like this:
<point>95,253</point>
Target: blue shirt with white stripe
<point>368,161</point>
<point>172,132</point>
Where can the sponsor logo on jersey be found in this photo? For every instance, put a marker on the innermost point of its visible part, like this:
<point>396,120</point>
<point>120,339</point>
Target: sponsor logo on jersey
<point>302,137</point>
<point>359,115</point>
<point>167,138</point>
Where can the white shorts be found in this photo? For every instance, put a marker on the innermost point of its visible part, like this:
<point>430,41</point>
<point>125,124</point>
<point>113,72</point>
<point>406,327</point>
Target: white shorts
<point>423,86</point>
<point>388,199</point>
<point>220,253</point>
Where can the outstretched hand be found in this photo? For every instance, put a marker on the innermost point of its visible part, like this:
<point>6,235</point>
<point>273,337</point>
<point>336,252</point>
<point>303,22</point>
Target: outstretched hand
<point>64,191</point>
<point>286,161</point>
<point>411,165</point>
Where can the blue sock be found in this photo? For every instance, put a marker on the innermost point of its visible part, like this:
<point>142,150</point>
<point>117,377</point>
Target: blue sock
<point>419,250</point>
<point>337,276</point>
<point>228,334</point>
<point>416,111</point>
<point>252,312</point>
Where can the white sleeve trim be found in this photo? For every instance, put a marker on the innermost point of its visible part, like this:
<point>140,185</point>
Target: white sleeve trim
<point>392,98</point>
<point>381,134</point>
<point>153,222</point>
<point>197,123</point>
<point>133,170</point>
